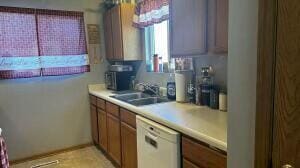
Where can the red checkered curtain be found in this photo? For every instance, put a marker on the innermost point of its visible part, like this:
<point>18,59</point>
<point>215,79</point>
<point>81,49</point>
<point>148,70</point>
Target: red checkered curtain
<point>62,42</point>
<point>19,56</point>
<point>149,12</point>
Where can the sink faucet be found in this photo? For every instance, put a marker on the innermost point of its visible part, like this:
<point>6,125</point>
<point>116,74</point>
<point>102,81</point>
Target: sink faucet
<point>154,89</point>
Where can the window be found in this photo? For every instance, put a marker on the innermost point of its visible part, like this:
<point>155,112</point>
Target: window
<point>157,42</point>
<point>35,42</point>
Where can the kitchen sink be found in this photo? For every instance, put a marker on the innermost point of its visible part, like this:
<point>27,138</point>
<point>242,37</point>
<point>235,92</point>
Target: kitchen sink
<point>131,96</point>
<point>148,101</point>
<point>140,98</point>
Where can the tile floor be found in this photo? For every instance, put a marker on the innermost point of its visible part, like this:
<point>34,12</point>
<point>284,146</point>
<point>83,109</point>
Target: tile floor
<point>89,157</point>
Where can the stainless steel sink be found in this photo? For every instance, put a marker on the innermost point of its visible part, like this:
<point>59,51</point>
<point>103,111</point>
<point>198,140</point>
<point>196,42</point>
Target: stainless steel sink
<point>147,101</point>
<point>131,96</point>
<point>140,99</point>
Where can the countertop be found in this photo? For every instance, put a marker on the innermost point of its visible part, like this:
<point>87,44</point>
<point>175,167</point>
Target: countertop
<point>199,122</point>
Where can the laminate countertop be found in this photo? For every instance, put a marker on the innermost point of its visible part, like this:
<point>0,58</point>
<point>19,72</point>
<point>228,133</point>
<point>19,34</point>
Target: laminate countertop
<point>199,122</point>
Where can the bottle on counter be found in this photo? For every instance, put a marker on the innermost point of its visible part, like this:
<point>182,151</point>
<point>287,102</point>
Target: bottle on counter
<point>160,64</point>
<point>155,63</point>
<point>214,97</point>
<point>171,87</point>
<point>191,92</point>
<point>222,101</point>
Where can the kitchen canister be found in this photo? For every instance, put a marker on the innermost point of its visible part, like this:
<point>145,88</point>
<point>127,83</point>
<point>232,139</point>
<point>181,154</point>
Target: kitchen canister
<point>182,78</point>
<point>222,101</point>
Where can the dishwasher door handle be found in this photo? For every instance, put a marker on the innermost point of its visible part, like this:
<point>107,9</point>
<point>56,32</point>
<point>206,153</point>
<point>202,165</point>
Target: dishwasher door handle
<point>151,139</point>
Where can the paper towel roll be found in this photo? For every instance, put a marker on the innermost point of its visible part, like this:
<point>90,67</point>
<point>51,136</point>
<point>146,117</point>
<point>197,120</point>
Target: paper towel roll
<point>222,102</point>
<point>181,80</point>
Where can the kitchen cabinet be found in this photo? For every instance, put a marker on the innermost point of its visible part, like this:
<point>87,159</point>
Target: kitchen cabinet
<point>196,154</point>
<point>198,27</point>
<point>188,27</point>
<point>129,142</point>
<point>221,26</point>
<point>108,35</point>
<point>114,138</point>
<point>129,146</point>
<point>94,119</point>
<point>188,164</point>
<point>102,128</point>
<point>122,40</point>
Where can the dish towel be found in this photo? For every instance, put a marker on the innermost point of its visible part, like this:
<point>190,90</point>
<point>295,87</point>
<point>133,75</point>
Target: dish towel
<point>3,154</point>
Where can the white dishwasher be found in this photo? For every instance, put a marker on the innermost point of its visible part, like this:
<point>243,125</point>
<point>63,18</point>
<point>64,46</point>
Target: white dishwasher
<point>157,146</point>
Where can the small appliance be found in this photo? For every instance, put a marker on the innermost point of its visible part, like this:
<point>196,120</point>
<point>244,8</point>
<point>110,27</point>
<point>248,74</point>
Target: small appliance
<point>118,77</point>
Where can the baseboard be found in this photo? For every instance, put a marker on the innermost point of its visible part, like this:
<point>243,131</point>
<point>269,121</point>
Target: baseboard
<point>51,153</point>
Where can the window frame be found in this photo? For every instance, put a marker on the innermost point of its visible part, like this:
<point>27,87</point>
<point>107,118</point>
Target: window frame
<point>149,46</point>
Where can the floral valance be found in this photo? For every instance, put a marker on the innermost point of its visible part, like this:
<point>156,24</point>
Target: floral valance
<point>149,12</point>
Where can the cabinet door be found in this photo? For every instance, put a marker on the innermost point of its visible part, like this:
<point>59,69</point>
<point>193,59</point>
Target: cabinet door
<point>94,123</point>
<point>108,35</point>
<point>102,129</point>
<point>221,34</point>
<point>188,27</point>
<point>129,146</point>
<point>201,155</point>
<point>114,138</point>
<point>117,33</point>
<point>188,164</point>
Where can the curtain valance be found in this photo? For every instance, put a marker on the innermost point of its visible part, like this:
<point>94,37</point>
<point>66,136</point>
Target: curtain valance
<point>149,12</point>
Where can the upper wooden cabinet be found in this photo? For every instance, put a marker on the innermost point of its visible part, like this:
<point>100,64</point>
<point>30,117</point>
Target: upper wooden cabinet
<point>221,26</point>
<point>122,40</point>
<point>188,27</point>
<point>198,27</point>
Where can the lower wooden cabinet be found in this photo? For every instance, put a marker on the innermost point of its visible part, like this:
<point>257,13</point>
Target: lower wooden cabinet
<point>114,138</point>
<point>188,164</point>
<point>102,129</point>
<point>129,146</point>
<point>114,129</point>
<point>196,154</point>
<point>94,125</point>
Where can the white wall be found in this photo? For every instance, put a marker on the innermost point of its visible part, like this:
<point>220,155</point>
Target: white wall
<point>243,19</point>
<point>48,113</point>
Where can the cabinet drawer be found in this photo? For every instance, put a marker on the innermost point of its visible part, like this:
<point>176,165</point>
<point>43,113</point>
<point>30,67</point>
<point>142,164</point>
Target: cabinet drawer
<point>101,103</point>
<point>112,109</point>
<point>93,100</point>
<point>188,164</point>
<point>128,117</point>
<point>201,155</point>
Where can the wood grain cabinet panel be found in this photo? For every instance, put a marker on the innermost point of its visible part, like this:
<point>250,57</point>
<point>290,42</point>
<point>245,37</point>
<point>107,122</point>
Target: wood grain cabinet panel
<point>221,26</point>
<point>122,41</point>
<point>114,138</point>
<point>101,103</point>
<point>94,123</point>
<point>102,129</point>
<point>188,27</point>
<point>201,155</point>
<point>112,109</point>
<point>117,33</point>
<point>108,35</point>
<point>129,146</point>
<point>128,117</point>
<point>93,100</point>
<point>188,164</point>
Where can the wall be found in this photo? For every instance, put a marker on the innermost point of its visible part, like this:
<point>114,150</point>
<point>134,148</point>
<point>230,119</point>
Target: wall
<point>48,113</point>
<point>243,20</point>
<point>218,62</point>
